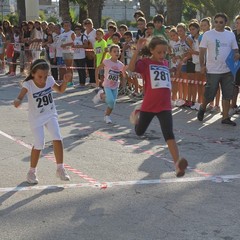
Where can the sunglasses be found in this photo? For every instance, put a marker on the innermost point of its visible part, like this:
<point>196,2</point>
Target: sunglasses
<point>220,22</point>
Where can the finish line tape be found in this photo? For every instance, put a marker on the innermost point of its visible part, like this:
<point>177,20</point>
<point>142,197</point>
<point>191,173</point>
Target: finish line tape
<point>216,179</point>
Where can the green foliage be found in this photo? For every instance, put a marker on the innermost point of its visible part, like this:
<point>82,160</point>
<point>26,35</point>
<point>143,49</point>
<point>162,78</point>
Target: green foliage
<point>42,15</point>
<point>12,18</point>
<point>73,15</point>
<point>53,19</point>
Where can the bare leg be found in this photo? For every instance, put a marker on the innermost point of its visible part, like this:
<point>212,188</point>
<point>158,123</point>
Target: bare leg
<point>58,151</point>
<point>35,154</point>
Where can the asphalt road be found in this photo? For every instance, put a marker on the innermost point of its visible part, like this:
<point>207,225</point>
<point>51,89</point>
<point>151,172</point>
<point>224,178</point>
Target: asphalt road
<point>122,187</point>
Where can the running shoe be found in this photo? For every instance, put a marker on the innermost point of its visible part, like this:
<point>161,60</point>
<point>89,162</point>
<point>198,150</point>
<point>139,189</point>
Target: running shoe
<point>107,119</point>
<point>181,166</point>
<point>228,121</point>
<point>62,174</point>
<point>32,177</point>
<point>200,114</point>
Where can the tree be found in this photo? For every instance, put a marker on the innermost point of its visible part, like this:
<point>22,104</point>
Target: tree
<point>64,10</point>
<point>21,10</point>
<point>159,6</point>
<point>174,11</point>
<point>145,7</point>
<point>231,7</point>
<point>95,11</point>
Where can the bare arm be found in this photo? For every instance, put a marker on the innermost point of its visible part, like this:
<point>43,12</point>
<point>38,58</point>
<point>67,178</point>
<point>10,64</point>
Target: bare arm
<point>17,102</point>
<point>202,60</point>
<point>61,88</point>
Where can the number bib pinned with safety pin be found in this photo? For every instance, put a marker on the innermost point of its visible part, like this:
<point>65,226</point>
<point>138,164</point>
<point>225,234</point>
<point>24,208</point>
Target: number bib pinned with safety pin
<point>160,77</point>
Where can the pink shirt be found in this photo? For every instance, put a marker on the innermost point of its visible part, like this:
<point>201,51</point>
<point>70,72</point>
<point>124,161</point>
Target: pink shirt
<point>112,73</point>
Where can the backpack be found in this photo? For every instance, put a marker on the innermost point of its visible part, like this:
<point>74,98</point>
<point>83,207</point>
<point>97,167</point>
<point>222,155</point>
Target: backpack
<point>89,54</point>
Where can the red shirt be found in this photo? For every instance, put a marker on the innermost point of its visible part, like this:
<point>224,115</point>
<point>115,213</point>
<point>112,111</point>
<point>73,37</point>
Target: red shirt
<point>155,99</point>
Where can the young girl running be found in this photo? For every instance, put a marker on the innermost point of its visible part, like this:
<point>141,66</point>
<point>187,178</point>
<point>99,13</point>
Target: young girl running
<point>42,113</point>
<point>157,97</point>
<point>112,68</point>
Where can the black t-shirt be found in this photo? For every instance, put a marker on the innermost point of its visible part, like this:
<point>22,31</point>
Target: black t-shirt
<point>141,34</point>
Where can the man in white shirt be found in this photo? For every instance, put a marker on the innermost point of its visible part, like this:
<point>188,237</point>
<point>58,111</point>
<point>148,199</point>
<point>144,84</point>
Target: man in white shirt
<point>215,47</point>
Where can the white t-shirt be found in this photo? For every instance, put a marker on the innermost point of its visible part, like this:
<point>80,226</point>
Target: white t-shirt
<point>58,43</point>
<point>66,37</point>
<point>218,45</point>
<point>79,53</point>
<point>91,36</point>
<point>177,51</point>
<point>41,105</point>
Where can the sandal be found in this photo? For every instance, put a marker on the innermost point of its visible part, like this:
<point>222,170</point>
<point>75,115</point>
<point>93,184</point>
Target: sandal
<point>181,165</point>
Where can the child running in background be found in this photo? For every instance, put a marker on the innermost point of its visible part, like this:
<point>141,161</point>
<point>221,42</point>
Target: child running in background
<point>157,97</point>
<point>112,69</point>
<point>42,113</point>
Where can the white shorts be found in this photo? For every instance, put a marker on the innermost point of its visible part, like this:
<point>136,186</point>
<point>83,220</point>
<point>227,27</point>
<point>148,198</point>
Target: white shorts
<point>38,133</point>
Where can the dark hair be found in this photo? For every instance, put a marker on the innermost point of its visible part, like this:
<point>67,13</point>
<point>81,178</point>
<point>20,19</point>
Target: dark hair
<point>222,15</point>
<point>139,13</point>
<point>112,27</point>
<point>158,18</point>
<point>152,45</point>
<point>128,33</point>
<point>123,26</point>
<point>116,34</point>
<point>141,19</point>
<point>150,24</point>
<point>194,24</point>
<point>113,46</point>
<point>208,20</point>
<point>39,64</point>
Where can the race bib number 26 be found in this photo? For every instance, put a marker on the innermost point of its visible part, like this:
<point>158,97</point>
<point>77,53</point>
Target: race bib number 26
<point>160,77</point>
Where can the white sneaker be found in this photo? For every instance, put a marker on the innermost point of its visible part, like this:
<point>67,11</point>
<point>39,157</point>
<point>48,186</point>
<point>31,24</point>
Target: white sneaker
<point>62,174</point>
<point>179,102</point>
<point>215,109</point>
<point>107,119</point>
<point>32,177</point>
<point>97,98</point>
<point>196,106</point>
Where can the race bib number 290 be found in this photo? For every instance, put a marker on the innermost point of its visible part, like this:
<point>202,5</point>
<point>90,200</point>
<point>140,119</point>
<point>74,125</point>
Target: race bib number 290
<point>160,77</point>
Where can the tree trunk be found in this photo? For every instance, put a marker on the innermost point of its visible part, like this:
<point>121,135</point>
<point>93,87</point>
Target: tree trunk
<point>22,10</point>
<point>174,12</point>
<point>145,7</point>
<point>83,13</point>
<point>95,11</point>
<point>64,10</point>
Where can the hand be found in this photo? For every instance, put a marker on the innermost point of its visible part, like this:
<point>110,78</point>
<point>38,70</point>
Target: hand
<point>17,102</point>
<point>67,77</point>
<point>141,43</point>
<point>236,56</point>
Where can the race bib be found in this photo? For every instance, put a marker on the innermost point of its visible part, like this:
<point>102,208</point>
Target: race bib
<point>98,50</point>
<point>160,77</point>
<point>17,46</point>
<point>113,75</point>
